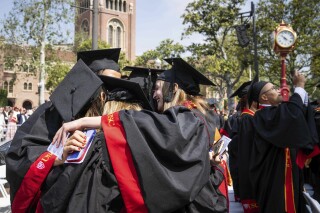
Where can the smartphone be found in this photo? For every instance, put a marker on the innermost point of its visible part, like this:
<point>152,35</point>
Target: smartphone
<point>79,155</point>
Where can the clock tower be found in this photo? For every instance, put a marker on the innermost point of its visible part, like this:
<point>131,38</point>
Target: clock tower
<point>117,23</point>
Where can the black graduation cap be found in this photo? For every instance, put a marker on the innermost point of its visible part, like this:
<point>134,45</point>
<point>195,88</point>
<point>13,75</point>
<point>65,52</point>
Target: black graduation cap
<point>242,90</point>
<point>124,90</point>
<point>101,59</point>
<point>75,91</point>
<point>255,89</point>
<point>146,78</point>
<point>187,77</point>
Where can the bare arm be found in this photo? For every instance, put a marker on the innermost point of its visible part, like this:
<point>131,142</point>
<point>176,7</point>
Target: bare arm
<point>79,124</point>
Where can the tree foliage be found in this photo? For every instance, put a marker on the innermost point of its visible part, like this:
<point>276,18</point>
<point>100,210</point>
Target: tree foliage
<point>37,23</point>
<point>219,53</point>
<point>56,73</point>
<point>3,97</point>
<point>304,17</point>
<point>166,49</point>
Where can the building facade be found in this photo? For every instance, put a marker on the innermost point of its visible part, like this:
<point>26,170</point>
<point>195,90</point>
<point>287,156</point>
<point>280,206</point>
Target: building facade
<point>21,79</point>
<point>117,23</point>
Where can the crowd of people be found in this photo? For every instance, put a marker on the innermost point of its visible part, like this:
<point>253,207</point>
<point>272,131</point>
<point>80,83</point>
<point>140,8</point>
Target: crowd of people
<point>153,146</point>
<point>10,119</point>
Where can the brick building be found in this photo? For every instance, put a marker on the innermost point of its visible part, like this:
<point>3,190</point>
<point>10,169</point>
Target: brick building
<point>21,79</point>
<point>117,23</point>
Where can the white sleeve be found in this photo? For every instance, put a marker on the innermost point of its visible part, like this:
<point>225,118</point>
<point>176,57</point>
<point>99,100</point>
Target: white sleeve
<point>303,94</point>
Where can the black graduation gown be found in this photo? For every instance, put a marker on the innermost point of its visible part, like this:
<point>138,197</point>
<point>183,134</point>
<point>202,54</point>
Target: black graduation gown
<point>29,142</point>
<point>233,151</point>
<point>315,162</point>
<point>170,176</point>
<point>245,143</point>
<point>277,128</point>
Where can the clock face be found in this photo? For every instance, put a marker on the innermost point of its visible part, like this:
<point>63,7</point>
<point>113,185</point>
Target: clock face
<point>285,38</point>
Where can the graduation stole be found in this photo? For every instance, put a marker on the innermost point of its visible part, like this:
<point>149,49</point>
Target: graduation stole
<point>189,105</point>
<point>247,111</point>
<point>288,186</point>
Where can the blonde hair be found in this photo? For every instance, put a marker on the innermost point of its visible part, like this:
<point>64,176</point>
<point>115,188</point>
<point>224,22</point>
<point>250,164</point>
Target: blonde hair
<point>180,97</point>
<point>115,106</point>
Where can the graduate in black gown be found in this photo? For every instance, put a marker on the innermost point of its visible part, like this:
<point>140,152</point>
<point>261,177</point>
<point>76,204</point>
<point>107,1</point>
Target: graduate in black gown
<point>33,137</point>
<point>241,93</point>
<point>279,130</point>
<point>161,161</point>
<point>315,161</point>
<point>245,143</point>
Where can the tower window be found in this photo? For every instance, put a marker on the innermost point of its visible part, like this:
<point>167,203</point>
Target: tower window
<point>107,4</point>
<point>11,86</point>
<point>119,36</point>
<point>110,35</point>
<point>85,26</point>
<point>120,5</point>
<point>30,86</point>
<point>111,4</point>
<point>124,6</point>
<point>116,5</point>
<point>25,86</point>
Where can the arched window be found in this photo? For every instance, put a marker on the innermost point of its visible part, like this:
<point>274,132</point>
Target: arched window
<point>119,33</point>
<point>107,4</point>
<point>85,26</point>
<point>11,86</point>
<point>124,6</point>
<point>5,85</point>
<point>111,4</point>
<point>110,35</point>
<point>30,86</point>
<point>116,33</point>
<point>25,86</point>
<point>120,5</point>
<point>116,5</point>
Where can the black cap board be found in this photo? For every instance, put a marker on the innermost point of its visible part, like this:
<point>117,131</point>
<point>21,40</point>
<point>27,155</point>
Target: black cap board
<point>242,90</point>
<point>186,76</point>
<point>124,90</point>
<point>75,91</point>
<point>146,78</point>
<point>98,60</point>
<point>255,89</point>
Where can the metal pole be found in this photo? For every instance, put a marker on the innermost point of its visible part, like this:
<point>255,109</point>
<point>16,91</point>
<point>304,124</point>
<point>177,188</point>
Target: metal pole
<point>95,23</point>
<point>256,67</point>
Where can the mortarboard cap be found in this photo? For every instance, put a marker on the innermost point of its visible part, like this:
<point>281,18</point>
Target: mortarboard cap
<point>255,89</point>
<point>242,90</point>
<point>187,77</point>
<point>75,91</point>
<point>124,90</point>
<point>98,60</point>
<point>146,78</point>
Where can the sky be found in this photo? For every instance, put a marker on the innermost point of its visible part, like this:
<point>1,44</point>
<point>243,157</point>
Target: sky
<point>156,21</point>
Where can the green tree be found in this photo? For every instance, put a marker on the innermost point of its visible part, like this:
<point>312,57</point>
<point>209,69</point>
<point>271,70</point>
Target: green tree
<point>166,49</point>
<point>3,97</point>
<point>218,54</point>
<point>86,45</point>
<point>38,22</point>
<point>304,17</point>
<point>56,73</point>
